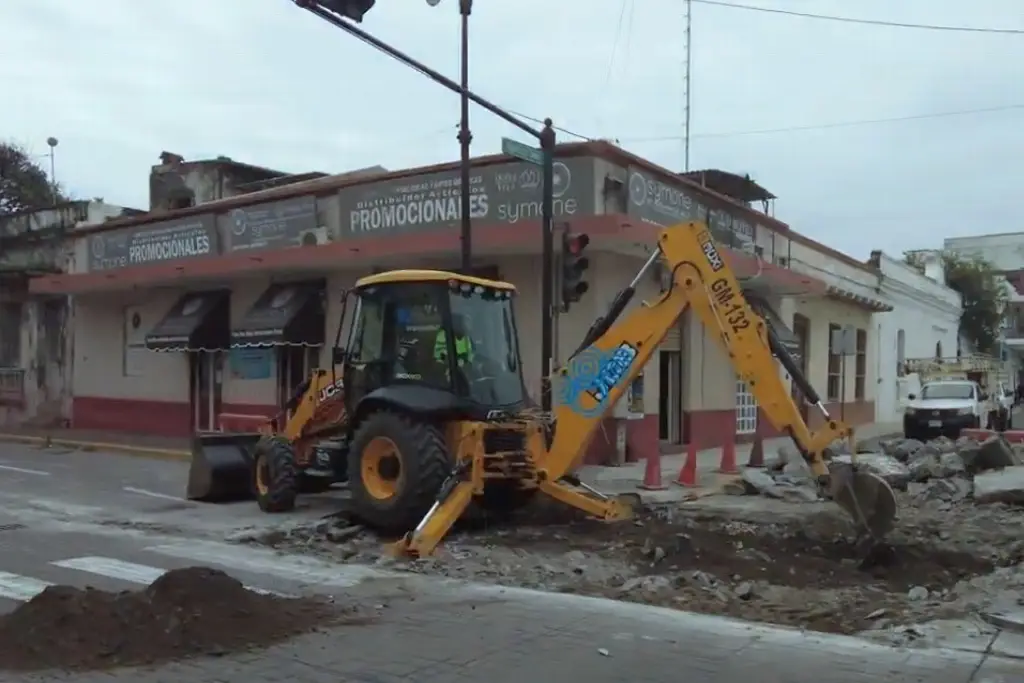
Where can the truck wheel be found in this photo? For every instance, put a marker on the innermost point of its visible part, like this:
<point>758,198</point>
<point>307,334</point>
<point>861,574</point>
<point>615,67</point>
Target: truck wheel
<point>275,478</point>
<point>396,466</point>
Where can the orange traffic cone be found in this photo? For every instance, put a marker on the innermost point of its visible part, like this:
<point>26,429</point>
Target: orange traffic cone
<point>757,451</point>
<point>652,472</point>
<point>688,472</point>
<point>728,463</point>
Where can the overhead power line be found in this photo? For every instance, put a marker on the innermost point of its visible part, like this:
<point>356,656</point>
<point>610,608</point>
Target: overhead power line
<point>868,22</point>
<point>837,124</point>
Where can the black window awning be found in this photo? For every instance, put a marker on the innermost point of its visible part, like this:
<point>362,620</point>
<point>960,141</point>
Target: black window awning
<point>198,321</point>
<point>286,314</point>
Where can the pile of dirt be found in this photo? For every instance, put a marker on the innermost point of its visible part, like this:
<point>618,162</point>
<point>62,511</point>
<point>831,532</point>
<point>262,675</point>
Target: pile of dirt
<point>186,612</point>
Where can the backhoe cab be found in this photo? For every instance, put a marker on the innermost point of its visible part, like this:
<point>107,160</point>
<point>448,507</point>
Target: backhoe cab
<point>429,379</point>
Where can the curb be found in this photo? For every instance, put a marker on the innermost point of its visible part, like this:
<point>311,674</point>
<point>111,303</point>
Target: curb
<point>1011,620</point>
<point>92,446</point>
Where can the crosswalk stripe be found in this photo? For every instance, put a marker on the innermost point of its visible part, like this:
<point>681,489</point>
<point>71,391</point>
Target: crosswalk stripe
<point>21,588</point>
<point>125,571</point>
<point>307,570</point>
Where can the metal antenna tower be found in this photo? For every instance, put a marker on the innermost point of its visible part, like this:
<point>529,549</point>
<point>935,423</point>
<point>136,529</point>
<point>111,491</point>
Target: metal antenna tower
<point>686,86</point>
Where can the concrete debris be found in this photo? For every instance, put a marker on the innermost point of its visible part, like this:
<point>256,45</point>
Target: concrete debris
<point>887,467</point>
<point>1000,486</point>
<point>942,470</point>
<point>994,452</point>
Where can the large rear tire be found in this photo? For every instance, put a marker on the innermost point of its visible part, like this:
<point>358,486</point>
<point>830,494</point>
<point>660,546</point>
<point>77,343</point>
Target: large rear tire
<point>275,477</point>
<point>396,466</point>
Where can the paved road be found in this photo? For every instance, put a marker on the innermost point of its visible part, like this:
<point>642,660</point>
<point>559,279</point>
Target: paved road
<point>69,519</point>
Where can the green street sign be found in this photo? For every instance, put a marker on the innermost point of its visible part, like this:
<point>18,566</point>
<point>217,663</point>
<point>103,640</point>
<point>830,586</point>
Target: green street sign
<point>518,150</point>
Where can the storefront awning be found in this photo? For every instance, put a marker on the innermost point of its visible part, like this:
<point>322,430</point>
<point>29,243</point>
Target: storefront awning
<point>198,321</point>
<point>286,314</point>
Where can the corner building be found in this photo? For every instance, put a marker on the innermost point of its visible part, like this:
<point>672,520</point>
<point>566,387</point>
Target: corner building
<point>185,315</point>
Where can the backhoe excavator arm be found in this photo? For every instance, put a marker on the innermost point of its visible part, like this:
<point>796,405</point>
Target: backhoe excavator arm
<point>615,351</point>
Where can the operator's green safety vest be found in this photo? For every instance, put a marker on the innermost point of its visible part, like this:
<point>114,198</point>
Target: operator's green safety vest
<point>463,348</point>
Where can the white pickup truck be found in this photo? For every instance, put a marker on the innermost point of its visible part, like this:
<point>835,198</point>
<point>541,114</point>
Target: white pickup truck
<point>945,407</point>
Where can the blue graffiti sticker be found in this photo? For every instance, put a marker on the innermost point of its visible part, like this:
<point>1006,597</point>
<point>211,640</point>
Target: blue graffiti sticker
<point>597,373</point>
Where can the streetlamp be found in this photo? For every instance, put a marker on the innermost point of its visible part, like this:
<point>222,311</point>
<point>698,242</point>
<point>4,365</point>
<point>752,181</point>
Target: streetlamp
<point>465,136</point>
<point>52,143</point>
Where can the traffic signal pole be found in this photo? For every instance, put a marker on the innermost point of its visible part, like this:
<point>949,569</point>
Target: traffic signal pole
<point>465,139</point>
<point>547,297</point>
<point>546,137</point>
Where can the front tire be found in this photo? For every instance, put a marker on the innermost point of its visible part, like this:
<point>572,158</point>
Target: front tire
<point>275,477</point>
<point>396,466</point>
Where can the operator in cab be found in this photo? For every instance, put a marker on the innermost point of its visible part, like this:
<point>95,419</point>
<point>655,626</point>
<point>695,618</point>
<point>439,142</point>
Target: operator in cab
<point>463,344</point>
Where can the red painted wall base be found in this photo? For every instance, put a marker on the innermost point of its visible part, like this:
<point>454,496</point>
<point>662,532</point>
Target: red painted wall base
<point>709,428</point>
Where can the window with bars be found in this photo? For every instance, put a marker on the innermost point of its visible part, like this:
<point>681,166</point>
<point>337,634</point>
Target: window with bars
<point>860,377</point>
<point>835,364</point>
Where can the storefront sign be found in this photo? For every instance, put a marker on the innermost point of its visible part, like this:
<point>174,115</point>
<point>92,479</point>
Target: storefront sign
<point>504,193</point>
<point>653,200</point>
<point>289,223</point>
<point>186,238</point>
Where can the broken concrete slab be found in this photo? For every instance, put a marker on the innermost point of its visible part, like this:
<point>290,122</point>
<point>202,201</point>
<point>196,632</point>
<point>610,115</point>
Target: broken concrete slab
<point>1011,620</point>
<point>885,466</point>
<point>779,486</point>
<point>1000,486</point>
<point>993,453</point>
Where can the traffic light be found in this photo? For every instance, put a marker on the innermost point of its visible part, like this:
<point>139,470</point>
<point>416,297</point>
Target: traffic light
<point>574,267</point>
<point>350,9</point>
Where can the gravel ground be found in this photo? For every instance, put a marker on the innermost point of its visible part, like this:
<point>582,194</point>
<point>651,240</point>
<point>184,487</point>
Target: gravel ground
<point>783,559</point>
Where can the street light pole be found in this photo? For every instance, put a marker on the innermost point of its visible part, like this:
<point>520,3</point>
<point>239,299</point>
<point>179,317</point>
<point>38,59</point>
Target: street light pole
<point>465,138</point>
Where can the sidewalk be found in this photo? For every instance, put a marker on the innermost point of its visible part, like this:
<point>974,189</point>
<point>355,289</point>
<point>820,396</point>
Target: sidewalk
<point>98,440</point>
<point>429,633</point>
<point>627,478</point>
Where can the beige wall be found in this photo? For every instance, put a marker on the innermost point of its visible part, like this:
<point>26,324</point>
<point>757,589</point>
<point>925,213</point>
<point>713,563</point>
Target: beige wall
<point>822,312</point>
<point>105,366</point>
<point>109,358</point>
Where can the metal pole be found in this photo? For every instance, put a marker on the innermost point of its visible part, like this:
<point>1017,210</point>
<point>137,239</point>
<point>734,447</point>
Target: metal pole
<point>547,145</point>
<point>842,387</point>
<point>686,110</point>
<point>465,138</point>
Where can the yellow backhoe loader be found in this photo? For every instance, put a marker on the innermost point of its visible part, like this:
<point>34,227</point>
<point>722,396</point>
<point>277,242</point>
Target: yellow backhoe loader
<point>431,414</point>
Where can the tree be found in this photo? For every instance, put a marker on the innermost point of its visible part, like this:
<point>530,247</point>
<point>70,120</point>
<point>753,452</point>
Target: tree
<point>24,185</point>
<point>983,290</point>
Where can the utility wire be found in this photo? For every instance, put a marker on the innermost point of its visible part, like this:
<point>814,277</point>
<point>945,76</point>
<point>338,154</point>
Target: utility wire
<point>838,124</point>
<point>868,22</point>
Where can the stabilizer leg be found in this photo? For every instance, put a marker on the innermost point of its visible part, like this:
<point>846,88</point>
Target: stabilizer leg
<point>424,539</point>
<point>604,508</point>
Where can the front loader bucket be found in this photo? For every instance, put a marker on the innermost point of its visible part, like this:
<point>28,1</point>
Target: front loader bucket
<point>221,468</point>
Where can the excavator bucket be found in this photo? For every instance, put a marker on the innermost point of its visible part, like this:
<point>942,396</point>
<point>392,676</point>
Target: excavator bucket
<point>866,497</point>
<point>221,468</point>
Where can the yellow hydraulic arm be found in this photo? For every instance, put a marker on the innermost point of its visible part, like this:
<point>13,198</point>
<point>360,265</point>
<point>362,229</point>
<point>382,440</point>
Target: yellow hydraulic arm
<point>616,351</point>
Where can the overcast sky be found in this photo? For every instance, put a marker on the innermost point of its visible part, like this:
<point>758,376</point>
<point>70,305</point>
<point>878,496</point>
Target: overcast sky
<point>118,81</point>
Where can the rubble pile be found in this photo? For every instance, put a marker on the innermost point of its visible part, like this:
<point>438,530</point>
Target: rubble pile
<point>990,471</point>
<point>776,557</point>
<point>186,612</point>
